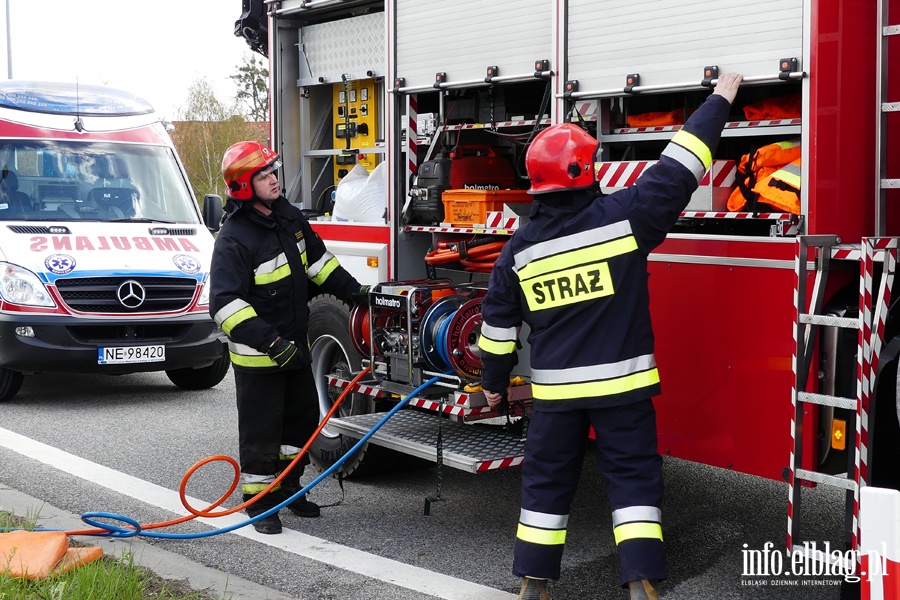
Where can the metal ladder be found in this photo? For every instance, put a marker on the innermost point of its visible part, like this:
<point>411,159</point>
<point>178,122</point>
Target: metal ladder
<point>882,182</point>
<point>870,326</point>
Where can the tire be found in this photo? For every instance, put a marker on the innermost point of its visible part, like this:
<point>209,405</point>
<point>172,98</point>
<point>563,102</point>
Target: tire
<point>10,382</point>
<point>332,351</point>
<point>202,378</point>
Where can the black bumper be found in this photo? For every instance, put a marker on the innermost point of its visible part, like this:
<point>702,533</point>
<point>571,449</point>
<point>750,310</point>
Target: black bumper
<point>69,345</point>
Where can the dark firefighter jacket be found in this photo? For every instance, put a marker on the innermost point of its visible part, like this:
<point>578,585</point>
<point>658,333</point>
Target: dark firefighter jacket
<point>258,278</point>
<point>577,275</point>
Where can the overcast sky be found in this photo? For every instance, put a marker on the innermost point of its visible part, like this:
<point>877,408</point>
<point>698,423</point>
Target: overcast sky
<point>153,48</point>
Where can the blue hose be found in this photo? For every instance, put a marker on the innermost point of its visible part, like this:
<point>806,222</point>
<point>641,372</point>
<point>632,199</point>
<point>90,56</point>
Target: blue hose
<point>135,528</point>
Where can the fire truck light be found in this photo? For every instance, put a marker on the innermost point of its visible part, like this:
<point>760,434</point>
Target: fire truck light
<point>372,261</point>
<point>839,434</point>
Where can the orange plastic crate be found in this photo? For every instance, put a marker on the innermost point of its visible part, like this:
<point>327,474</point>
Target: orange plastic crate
<point>465,208</point>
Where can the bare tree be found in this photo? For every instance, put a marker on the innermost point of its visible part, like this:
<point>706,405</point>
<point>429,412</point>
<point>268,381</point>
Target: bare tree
<point>252,80</point>
<point>205,129</point>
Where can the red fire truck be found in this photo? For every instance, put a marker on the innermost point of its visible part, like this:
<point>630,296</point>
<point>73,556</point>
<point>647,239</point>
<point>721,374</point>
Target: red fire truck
<point>777,341</point>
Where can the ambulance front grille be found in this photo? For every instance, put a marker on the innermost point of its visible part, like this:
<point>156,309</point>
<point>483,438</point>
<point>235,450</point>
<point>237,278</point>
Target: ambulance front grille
<point>102,294</point>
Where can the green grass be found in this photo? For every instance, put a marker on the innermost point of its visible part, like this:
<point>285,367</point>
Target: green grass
<point>106,579</point>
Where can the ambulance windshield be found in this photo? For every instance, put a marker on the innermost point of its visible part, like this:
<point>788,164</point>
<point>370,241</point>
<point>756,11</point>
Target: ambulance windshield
<point>96,181</point>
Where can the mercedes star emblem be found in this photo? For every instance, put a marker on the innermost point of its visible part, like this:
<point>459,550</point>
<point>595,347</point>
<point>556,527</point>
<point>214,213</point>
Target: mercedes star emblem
<point>131,294</point>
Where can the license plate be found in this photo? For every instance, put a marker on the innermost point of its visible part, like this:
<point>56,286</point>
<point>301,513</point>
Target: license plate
<point>130,354</point>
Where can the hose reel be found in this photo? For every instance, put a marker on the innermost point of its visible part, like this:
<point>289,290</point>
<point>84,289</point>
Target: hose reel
<point>448,335</point>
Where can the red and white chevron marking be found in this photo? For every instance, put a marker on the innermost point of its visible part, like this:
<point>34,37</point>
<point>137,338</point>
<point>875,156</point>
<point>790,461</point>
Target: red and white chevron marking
<point>447,409</point>
<point>500,463</point>
<point>624,173</point>
<point>736,215</point>
<point>496,220</point>
<point>588,109</point>
<point>864,337</point>
<point>456,229</point>
<point>412,135</point>
<point>791,476</point>
<point>879,544</point>
<point>731,125</point>
<point>368,390</point>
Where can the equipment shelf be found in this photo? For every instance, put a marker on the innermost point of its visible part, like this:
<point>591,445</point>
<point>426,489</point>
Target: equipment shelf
<point>732,129</point>
<point>471,448</point>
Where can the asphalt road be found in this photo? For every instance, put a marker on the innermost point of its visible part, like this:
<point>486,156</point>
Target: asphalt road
<point>122,444</point>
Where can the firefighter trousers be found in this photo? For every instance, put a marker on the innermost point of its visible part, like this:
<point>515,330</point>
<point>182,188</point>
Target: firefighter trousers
<point>627,458</point>
<point>277,414</point>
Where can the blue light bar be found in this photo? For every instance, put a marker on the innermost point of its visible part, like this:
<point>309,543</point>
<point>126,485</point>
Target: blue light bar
<point>69,99</point>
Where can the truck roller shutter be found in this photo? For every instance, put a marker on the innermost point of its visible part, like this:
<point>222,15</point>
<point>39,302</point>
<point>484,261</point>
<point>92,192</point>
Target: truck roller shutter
<point>670,43</point>
<point>348,46</point>
<point>465,37</point>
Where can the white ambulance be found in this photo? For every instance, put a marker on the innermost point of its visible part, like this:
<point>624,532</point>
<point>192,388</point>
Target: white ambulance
<point>104,257</point>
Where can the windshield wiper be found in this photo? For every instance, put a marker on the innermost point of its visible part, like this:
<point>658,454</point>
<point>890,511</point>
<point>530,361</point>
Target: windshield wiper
<point>142,220</point>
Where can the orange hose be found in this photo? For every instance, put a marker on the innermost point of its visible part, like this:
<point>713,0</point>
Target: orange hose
<point>207,512</point>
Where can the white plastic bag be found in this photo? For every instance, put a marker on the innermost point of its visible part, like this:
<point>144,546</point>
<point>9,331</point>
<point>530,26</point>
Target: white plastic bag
<point>361,196</point>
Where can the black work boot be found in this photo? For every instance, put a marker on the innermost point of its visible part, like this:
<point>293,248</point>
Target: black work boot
<point>644,589</point>
<point>268,525</point>
<point>290,485</point>
<point>534,589</point>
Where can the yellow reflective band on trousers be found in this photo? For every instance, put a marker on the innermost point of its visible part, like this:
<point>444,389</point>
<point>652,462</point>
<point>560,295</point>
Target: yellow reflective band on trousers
<point>279,273</point>
<point>634,531</point>
<point>255,488</point>
<point>245,314</point>
<point>495,347</point>
<point>592,389</point>
<point>587,282</point>
<point>544,537</point>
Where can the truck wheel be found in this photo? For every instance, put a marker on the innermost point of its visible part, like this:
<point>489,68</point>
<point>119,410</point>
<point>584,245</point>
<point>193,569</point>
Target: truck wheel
<point>332,352</point>
<point>202,378</point>
<point>10,382</point>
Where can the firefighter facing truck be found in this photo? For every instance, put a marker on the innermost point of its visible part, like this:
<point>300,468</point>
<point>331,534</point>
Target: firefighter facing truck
<point>577,275</point>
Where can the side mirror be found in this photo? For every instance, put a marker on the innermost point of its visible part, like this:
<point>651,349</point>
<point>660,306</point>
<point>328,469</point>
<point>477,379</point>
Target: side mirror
<point>212,211</point>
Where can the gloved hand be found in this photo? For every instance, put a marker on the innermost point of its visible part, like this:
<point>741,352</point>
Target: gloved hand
<point>361,296</point>
<point>283,352</point>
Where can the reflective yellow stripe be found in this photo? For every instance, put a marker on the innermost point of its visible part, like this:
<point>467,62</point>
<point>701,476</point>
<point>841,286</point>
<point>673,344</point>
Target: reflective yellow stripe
<point>688,140</point>
<point>545,537</point>
<point>588,254</point>
<point>255,488</point>
<point>562,288</point>
<point>279,273</point>
<point>245,314</point>
<point>323,274</point>
<point>790,174</point>
<point>591,389</point>
<point>633,531</point>
<point>495,347</point>
<point>243,360</point>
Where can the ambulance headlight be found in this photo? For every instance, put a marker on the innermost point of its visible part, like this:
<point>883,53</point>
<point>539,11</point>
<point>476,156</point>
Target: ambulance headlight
<point>203,300</point>
<point>21,286</point>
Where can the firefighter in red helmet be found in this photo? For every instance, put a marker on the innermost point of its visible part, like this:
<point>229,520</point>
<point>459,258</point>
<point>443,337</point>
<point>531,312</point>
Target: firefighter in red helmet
<point>264,258</point>
<point>576,273</point>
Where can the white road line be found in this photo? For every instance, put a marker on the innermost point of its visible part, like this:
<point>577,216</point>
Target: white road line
<point>336,555</point>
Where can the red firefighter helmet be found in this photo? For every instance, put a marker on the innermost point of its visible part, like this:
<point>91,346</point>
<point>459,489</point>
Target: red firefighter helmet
<point>241,162</point>
<point>560,158</point>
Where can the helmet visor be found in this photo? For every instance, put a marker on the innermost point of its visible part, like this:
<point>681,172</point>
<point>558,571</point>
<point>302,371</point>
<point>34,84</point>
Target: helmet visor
<point>271,168</point>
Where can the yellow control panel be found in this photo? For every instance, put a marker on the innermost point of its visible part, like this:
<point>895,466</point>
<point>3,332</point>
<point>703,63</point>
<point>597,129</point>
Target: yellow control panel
<point>355,118</point>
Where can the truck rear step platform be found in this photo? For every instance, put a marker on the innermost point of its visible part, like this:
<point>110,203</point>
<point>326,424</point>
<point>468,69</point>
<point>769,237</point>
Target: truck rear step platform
<point>472,448</point>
